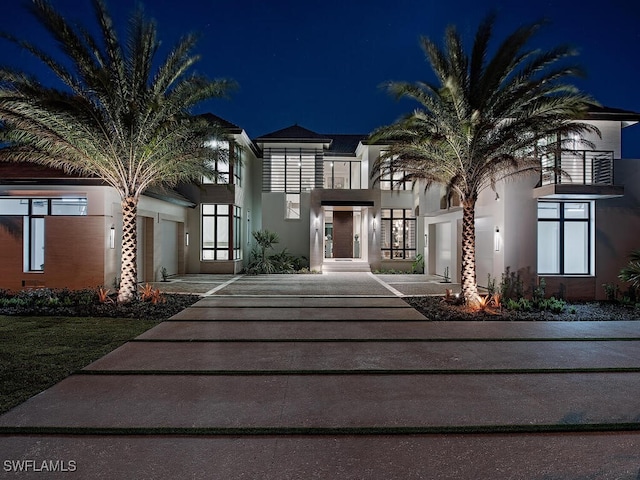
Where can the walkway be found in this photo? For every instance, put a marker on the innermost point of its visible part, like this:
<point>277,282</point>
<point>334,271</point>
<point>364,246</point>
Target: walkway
<point>333,376</point>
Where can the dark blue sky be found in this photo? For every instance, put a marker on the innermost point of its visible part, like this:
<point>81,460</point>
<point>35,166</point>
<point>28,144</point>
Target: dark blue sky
<point>319,63</point>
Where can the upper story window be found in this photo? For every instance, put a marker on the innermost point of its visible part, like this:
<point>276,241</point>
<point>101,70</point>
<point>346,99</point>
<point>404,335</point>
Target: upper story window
<point>290,170</point>
<point>227,167</point>
<point>343,174</point>
<point>393,181</point>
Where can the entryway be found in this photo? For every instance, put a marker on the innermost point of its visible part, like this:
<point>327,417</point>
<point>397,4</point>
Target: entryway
<point>345,233</point>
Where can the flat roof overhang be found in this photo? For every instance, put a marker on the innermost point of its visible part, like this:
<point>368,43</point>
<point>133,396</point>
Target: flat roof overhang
<point>347,203</point>
<point>568,191</point>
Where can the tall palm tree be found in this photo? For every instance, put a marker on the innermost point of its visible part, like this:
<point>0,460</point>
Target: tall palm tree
<point>119,118</point>
<point>485,120</point>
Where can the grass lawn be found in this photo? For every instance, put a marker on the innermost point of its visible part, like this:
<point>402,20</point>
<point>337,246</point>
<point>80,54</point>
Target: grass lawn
<point>38,352</point>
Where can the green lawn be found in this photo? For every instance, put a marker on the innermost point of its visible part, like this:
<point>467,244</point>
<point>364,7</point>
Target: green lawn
<point>37,352</point>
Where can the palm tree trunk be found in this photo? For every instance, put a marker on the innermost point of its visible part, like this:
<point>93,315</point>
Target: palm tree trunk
<point>128,267</point>
<point>468,274</point>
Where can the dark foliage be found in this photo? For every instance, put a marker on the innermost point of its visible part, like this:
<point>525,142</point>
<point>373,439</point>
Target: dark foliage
<point>85,303</point>
<point>435,309</point>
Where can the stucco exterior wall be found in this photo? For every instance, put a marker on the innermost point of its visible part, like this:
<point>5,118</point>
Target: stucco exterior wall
<point>293,233</point>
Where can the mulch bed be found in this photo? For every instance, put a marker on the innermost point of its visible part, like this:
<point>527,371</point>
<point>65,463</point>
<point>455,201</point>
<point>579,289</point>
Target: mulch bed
<point>434,308</point>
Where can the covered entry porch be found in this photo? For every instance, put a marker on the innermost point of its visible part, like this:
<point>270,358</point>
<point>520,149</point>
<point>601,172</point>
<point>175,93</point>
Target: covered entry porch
<point>343,235</point>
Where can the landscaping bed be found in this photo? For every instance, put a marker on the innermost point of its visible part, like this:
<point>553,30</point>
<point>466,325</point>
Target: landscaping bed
<point>87,303</point>
<point>436,309</point>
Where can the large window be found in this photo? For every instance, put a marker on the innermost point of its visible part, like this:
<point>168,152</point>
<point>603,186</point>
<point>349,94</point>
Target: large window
<point>393,181</point>
<point>228,167</point>
<point>398,233</point>
<point>33,211</point>
<point>290,170</point>
<point>342,174</point>
<point>564,238</point>
<point>221,232</point>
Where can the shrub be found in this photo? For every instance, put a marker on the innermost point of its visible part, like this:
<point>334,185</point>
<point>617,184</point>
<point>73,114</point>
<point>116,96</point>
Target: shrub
<point>631,273</point>
<point>418,264</point>
<point>491,284</point>
<point>552,304</point>
<point>611,291</point>
<point>521,304</point>
<point>511,285</point>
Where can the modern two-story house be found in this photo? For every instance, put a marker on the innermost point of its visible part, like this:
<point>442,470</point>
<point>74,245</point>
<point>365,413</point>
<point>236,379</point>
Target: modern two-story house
<point>317,192</point>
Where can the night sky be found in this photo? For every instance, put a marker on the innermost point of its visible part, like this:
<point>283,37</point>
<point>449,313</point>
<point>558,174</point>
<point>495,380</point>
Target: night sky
<point>320,63</point>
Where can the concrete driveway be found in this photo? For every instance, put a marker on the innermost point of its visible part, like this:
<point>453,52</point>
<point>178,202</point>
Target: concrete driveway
<point>333,376</point>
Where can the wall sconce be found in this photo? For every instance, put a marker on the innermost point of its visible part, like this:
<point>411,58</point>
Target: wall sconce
<point>186,239</point>
<point>496,240</point>
<point>316,222</point>
<point>112,237</point>
<point>374,224</point>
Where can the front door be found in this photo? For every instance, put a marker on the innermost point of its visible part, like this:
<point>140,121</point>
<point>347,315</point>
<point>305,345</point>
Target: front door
<point>342,234</point>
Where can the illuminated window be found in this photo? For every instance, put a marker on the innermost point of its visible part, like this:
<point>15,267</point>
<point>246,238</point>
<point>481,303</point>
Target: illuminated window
<point>292,207</point>
<point>393,181</point>
<point>564,238</point>
<point>290,170</point>
<point>228,166</point>
<point>398,234</point>
<point>340,174</point>
<point>221,232</point>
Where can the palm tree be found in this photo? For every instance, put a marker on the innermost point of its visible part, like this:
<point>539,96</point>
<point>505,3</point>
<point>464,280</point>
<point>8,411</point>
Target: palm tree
<point>485,120</point>
<point>119,118</point>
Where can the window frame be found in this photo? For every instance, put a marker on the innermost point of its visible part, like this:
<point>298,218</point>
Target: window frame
<point>332,177</point>
<point>34,237</point>
<point>562,220</point>
<point>407,219</point>
<point>232,250</point>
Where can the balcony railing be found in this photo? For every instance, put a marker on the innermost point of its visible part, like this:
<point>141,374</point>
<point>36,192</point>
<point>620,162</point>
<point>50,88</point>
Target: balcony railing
<point>581,167</point>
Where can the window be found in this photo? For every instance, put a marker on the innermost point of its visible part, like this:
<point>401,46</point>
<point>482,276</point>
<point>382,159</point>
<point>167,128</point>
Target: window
<point>564,238</point>
<point>342,174</point>
<point>227,166</point>
<point>393,181</point>
<point>292,207</point>
<point>33,211</point>
<point>220,232</point>
<point>290,170</point>
<point>398,231</point>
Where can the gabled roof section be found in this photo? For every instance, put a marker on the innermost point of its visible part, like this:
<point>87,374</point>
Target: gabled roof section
<point>294,133</point>
<point>344,145</point>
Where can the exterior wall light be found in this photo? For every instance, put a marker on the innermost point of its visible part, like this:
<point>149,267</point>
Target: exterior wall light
<point>496,240</point>
<point>112,237</point>
<point>186,239</point>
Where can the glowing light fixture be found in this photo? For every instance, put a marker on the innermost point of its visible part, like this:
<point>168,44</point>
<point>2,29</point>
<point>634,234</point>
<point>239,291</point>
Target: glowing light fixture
<point>186,239</point>
<point>496,240</point>
<point>112,237</point>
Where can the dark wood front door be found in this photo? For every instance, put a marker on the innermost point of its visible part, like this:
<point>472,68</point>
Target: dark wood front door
<point>342,234</point>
